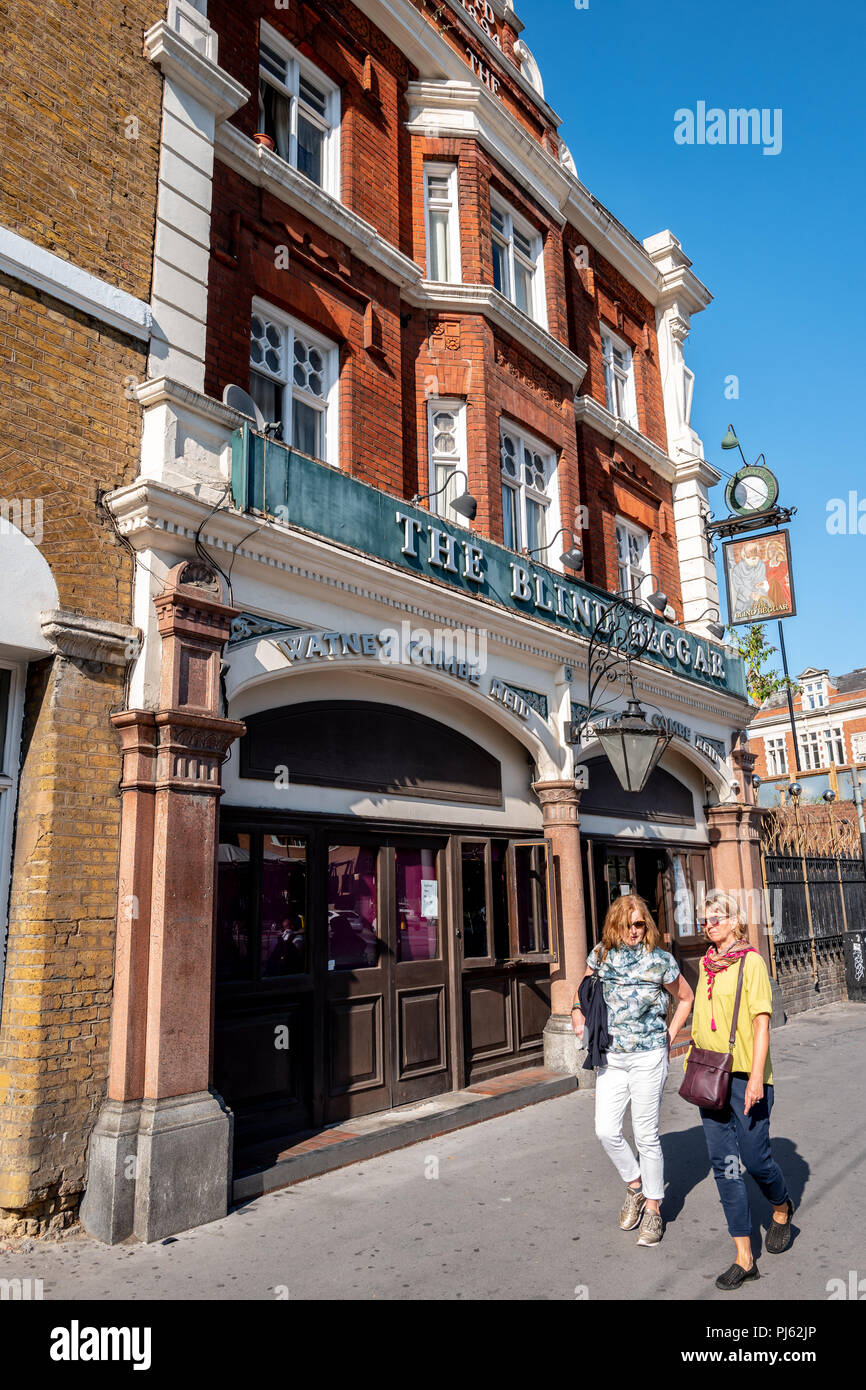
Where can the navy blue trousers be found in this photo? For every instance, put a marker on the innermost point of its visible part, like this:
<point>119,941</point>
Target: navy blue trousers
<point>732,1136</point>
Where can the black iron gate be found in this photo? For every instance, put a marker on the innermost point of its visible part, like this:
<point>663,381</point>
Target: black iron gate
<point>813,901</point>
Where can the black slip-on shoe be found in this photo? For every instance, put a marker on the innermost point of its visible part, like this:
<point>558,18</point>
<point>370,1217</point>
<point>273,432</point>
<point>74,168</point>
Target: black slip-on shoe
<point>779,1233</point>
<point>735,1276</point>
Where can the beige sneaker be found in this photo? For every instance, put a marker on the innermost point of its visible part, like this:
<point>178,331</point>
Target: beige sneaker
<point>631,1208</point>
<point>650,1229</point>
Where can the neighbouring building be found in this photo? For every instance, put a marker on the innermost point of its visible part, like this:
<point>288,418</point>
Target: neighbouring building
<point>830,718</point>
<point>80,116</point>
<point>360,861</point>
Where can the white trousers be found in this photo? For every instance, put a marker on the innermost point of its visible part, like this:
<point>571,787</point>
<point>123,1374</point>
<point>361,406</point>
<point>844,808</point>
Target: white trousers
<point>638,1077</point>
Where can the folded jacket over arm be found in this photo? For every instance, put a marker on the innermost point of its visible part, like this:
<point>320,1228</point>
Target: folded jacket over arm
<point>595,1037</point>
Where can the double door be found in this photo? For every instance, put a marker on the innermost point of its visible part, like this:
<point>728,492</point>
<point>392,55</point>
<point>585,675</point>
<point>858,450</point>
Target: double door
<point>331,964</point>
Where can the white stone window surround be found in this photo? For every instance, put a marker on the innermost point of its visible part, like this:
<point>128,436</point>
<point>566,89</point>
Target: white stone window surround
<point>12,677</point>
<point>299,70</point>
<point>446,452</point>
<point>438,202</point>
<point>634,563</point>
<point>528,490</point>
<point>293,330</point>
<point>776,755</point>
<point>815,694</point>
<point>619,376</point>
<point>523,248</point>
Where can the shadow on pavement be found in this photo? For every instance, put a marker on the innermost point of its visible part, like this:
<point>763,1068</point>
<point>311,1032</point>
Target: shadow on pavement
<point>687,1165</point>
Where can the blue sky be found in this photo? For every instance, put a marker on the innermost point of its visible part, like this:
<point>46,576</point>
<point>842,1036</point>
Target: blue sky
<point>777,239</point>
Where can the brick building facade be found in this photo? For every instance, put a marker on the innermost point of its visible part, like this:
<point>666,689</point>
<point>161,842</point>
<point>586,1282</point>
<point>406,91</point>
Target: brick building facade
<point>365,216</point>
<point>830,715</point>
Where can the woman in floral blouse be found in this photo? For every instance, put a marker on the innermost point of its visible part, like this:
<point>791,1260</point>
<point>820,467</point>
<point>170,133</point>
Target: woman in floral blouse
<point>636,978</point>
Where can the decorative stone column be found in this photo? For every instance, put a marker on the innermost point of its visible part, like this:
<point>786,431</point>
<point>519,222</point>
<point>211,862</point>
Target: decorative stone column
<point>560,804</point>
<point>160,1153</point>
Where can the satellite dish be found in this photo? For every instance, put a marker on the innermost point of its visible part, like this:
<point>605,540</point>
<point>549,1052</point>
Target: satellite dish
<point>240,400</point>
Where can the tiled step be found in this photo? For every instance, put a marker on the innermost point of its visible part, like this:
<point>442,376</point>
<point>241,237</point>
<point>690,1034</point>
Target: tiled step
<point>268,1167</point>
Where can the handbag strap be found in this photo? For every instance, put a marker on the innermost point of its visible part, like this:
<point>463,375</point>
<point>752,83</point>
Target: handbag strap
<point>737,1004</point>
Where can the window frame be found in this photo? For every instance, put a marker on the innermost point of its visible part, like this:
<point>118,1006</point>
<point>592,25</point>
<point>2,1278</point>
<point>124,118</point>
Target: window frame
<point>438,169</point>
<point>299,66</point>
<point>329,405</point>
<point>490,960</point>
<point>611,341</point>
<point>549,499</point>
<point>816,690</point>
<point>641,595</point>
<point>513,221</point>
<point>441,505</point>
<point>834,741</point>
<point>811,747</point>
<point>774,746</point>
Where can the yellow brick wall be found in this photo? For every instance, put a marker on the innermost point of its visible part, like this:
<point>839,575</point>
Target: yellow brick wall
<point>71,181</point>
<point>74,181</point>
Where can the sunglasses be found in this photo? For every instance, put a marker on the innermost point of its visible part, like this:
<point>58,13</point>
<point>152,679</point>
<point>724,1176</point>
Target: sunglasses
<point>636,926</point>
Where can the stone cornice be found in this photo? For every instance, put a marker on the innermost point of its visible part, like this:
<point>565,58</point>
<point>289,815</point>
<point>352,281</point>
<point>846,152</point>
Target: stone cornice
<point>614,241</point>
<point>484,299</point>
<point>180,62</point>
<point>23,260</point>
<point>694,467</point>
<point>164,391</point>
<point>151,515</point>
<point>589,411</point>
<point>678,283</point>
<point>464,110</point>
<point>90,639</point>
<point>265,169</point>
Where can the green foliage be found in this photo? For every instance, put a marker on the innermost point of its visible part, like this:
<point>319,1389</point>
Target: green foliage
<point>755,650</point>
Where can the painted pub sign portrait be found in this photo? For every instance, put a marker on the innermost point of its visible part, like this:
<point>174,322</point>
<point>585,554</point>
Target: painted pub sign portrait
<point>759,579</point>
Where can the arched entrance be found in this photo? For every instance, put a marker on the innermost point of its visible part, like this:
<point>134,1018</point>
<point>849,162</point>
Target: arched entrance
<point>384,924</point>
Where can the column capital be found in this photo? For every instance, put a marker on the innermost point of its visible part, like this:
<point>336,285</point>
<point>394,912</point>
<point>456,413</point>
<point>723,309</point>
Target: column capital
<point>560,802</point>
<point>735,821</point>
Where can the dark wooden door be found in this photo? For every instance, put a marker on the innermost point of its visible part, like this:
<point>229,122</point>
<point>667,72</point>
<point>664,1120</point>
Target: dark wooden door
<point>419,968</point>
<point>356,991</point>
<point>385,988</point>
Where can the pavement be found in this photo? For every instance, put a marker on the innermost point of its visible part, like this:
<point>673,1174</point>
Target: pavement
<point>523,1206</point>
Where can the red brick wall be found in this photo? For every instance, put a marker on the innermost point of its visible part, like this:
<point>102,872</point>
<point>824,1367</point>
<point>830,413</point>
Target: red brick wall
<point>371,73</point>
<point>383,398</point>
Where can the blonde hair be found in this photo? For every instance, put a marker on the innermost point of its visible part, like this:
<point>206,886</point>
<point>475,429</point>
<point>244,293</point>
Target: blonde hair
<point>726,905</point>
<point>613,933</point>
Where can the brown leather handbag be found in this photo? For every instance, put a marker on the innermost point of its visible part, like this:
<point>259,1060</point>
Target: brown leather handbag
<point>707,1081</point>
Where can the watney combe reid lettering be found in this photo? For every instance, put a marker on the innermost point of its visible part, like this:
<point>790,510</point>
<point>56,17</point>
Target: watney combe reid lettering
<point>544,594</point>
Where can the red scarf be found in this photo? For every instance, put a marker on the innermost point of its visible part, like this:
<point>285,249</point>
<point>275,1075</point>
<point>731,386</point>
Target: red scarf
<point>715,965</point>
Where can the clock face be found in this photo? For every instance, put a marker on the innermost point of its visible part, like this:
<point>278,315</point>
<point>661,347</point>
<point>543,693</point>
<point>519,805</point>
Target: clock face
<point>752,490</point>
<point>751,493</point>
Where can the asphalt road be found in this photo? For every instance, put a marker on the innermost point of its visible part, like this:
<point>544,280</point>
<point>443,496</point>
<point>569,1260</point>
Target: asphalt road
<point>522,1207</point>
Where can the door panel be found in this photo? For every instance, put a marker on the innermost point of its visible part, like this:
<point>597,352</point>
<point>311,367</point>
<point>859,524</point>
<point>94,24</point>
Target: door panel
<point>419,976</point>
<point>356,1049</point>
<point>488,1026</point>
<point>532,999</point>
<point>357,982</point>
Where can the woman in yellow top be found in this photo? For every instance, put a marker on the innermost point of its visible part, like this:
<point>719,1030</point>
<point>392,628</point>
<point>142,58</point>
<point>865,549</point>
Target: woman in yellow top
<point>741,1131</point>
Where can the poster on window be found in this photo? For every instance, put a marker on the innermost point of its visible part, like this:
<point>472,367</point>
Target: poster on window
<point>759,578</point>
